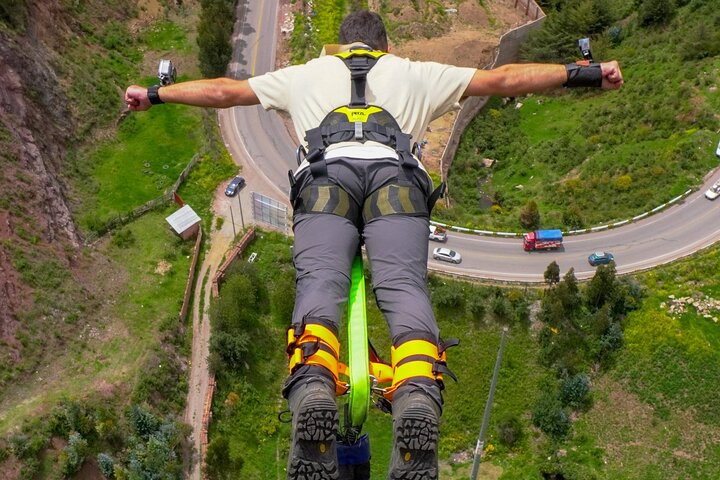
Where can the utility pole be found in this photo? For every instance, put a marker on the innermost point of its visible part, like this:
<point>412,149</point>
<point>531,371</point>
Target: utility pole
<point>232,219</point>
<point>480,446</point>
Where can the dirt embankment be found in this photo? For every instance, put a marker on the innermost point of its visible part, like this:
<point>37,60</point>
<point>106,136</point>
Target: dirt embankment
<point>35,127</point>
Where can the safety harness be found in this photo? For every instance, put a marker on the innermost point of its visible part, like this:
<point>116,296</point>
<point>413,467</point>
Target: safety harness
<point>313,343</point>
<point>358,121</point>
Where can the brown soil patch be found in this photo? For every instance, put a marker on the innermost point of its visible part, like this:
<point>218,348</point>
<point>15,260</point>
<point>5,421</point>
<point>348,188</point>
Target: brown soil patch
<point>162,267</point>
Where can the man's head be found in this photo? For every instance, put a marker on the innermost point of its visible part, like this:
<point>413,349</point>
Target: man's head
<point>366,27</point>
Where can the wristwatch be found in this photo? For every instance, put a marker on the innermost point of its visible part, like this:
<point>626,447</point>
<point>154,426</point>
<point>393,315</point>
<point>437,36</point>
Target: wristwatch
<point>152,94</point>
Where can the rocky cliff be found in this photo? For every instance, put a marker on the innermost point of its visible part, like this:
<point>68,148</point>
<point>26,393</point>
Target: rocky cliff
<point>38,121</point>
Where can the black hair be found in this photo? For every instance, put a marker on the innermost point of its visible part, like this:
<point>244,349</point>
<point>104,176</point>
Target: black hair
<point>366,27</point>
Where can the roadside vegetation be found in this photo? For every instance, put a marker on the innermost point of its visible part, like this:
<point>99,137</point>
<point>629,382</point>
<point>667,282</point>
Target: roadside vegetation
<point>586,157</point>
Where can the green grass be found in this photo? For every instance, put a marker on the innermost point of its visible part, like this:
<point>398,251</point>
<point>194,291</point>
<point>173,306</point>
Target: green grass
<point>150,151</point>
<point>166,35</point>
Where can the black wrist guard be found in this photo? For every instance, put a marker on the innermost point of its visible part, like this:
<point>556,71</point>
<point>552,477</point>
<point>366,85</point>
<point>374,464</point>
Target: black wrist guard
<point>152,94</point>
<point>583,75</point>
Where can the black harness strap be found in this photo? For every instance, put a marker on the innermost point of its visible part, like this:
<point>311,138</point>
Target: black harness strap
<point>337,126</point>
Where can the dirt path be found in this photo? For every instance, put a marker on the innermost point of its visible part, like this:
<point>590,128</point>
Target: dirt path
<point>220,242</point>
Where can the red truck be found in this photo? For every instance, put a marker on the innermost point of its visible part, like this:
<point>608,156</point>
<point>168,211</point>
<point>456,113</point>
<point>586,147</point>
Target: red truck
<point>542,240</point>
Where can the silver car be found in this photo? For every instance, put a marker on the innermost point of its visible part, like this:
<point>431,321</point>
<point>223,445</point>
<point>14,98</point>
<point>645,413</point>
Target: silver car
<point>447,255</point>
<point>713,192</point>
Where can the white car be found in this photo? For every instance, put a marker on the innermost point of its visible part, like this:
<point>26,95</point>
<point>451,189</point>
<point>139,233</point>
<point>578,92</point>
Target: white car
<point>713,192</point>
<point>437,234</point>
<point>447,255</point>
<point>717,152</point>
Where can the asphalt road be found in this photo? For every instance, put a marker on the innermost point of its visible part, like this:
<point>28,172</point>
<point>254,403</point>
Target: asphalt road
<point>260,140</point>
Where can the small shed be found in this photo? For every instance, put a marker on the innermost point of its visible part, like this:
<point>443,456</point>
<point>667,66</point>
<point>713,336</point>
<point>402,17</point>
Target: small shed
<point>185,222</point>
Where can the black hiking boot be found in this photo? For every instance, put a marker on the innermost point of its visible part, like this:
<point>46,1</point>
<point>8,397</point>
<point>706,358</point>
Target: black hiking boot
<point>313,451</point>
<point>415,437</point>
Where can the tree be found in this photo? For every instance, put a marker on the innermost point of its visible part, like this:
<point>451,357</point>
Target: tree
<point>214,32</point>
<point>552,273</point>
<point>602,287</point>
<point>575,391</point>
<point>549,416</point>
<point>530,216</point>
<point>219,461</point>
<point>655,12</point>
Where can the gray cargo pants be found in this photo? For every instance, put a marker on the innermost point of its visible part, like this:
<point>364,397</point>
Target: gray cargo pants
<point>389,211</point>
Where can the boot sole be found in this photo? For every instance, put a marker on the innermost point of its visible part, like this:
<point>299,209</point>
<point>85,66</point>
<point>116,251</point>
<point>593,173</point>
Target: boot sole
<point>416,439</point>
<point>314,455</point>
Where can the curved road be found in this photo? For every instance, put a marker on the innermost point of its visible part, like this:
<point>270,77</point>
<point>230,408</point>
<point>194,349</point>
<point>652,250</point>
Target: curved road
<point>259,140</point>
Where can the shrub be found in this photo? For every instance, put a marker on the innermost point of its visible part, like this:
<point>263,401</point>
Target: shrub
<point>530,216</point>
<point>123,238</point>
<point>655,12</point>
<point>73,456</point>
<point>510,431</point>
<point>623,182</point>
<point>575,391</point>
<point>106,465</point>
<point>549,416</point>
<point>448,296</point>
<point>475,308</point>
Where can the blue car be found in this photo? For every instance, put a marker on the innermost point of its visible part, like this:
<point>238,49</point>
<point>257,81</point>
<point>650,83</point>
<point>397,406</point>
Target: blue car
<point>600,258</point>
<point>236,184</point>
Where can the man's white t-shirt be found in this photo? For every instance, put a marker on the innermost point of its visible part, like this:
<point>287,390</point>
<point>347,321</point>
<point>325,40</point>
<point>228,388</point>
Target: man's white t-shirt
<point>414,93</point>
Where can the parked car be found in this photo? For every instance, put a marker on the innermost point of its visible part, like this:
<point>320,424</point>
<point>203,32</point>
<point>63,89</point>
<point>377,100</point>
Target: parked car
<point>600,258</point>
<point>713,192</point>
<point>437,234</point>
<point>235,185</point>
<point>447,255</point>
<point>717,152</point>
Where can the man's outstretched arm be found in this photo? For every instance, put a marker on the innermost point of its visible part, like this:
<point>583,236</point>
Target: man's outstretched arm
<point>518,79</point>
<point>216,93</point>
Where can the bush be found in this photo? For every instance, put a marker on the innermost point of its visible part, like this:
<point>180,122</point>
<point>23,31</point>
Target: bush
<point>655,12</point>
<point>530,216</point>
<point>123,238</point>
<point>106,465</point>
<point>549,416</point>
<point>73,456</point>
<point>448,296</point>
<point>575,391</point>
<point>510,431</point>
<point>475,308</point>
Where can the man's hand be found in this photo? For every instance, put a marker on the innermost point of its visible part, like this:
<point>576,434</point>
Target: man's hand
<point>136,98</point>
<point>611,76</point>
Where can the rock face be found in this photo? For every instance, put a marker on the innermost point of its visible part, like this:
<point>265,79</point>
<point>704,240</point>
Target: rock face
<point>35,128</point>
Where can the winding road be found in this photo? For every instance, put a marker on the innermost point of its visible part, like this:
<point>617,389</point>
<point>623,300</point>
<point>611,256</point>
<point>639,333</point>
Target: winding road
<point>259,140</point>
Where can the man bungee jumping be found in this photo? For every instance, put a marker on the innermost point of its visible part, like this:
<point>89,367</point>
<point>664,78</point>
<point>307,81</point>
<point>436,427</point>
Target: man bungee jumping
<point>360,111</point>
